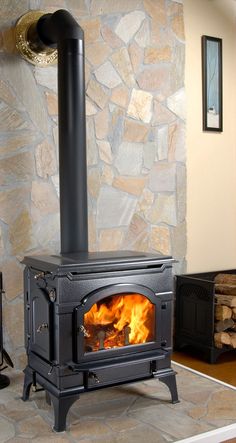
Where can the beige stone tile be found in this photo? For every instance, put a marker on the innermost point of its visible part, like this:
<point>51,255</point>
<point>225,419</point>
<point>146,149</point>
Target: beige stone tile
<point>155,78</point>
<point>110,37</point>
<point>89,428</point>
<point>122,63</point>
<point>97,53</point>
<point>91,29</point>
<point>78,7</point>
<point>162,115</point>
<point>140,106</point>
<point>160,239</point>
<point>13,141</point>
<point>145,201</point>
<point>33,426</point>
<point>174,423</point>
<point>155,55</point>
<point>46,162</point>
<point>222,405</point>
<point>109,7</point>
<point>136,55</point>
<point>20,233</point>
<point>129,25</point>
<point>105,152</point>
<point>135,132</point>
<point>141,434</point>
<point>97,94</point>
<point>44,197</point>
<point>13,278</point>
<point>7,430</point>
<point>120,96</point>
<point>17,168</point>
<point>101,409</point>
<point>13,317</point>
<point>110,239</point>
<point>156,9</point>
<point>107,175</point>
<point>177,24</point>
<point>7,95</point>
<point>52,103</point>
<point>94,182</point>
<point>122,423</point>
<point>102,124</point>
<point>132,185</point>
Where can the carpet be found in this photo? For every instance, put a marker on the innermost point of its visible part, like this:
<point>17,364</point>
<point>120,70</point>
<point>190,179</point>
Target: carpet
<point>138,412</point>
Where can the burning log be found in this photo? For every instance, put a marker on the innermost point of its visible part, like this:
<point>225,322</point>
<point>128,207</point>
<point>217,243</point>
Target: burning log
<point>101,337</point>
<point>127,331</point>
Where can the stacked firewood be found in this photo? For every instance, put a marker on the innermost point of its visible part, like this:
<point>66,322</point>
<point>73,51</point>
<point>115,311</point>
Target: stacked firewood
<point>225,310</point>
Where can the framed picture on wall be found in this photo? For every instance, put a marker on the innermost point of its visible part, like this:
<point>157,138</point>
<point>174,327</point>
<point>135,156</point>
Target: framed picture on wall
<point>212,83</point>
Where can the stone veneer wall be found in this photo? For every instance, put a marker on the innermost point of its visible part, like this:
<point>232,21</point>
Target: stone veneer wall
<point>135,139</point>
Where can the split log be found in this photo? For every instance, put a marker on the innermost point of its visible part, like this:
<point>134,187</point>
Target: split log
<point>225,289</point>
<point>233,339</point>
<point>227,300</point>
<point>223,312</point>
<point>233,313</point>
<point>229,279</point>
<point>233,328</point>
<point>221,338</point>
<point>222,325</point>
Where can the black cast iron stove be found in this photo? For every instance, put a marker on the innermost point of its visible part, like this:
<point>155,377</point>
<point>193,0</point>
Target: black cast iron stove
<point>91,319</point>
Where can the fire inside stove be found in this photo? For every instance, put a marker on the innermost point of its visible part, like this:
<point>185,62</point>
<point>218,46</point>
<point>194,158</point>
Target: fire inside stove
<point>119,320</point>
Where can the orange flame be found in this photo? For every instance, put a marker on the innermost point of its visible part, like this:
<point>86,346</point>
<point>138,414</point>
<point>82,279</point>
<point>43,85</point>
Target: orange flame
<point>124,319</point>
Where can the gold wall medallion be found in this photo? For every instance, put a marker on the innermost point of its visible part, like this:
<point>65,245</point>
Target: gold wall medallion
<point>28,43</point>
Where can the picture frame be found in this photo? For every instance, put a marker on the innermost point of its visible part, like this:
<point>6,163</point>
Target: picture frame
<point>212,83</point>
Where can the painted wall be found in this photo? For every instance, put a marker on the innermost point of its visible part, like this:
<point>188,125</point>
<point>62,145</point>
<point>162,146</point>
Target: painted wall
<point>135,54</point>
<point>211,157</point>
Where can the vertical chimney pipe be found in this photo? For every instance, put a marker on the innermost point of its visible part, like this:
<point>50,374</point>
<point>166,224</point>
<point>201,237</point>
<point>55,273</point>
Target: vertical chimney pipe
<point>62,31</point>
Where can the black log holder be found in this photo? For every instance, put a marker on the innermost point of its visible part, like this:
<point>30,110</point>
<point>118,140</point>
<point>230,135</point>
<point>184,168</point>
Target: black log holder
<point>4,380</point>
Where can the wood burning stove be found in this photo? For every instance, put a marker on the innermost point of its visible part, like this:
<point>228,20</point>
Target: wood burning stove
<point>91,319</point>
<point>95,320</point>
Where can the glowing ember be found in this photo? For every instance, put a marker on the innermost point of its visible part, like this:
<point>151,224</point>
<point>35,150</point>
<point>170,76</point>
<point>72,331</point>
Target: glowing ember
<point>118,321</point>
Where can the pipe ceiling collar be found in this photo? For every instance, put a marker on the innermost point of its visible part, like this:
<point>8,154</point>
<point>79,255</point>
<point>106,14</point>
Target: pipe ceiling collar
<point>28,44</point>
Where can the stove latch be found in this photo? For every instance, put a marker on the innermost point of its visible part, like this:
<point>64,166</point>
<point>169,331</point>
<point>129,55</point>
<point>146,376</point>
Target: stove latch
<point>42,327</point>
<point>83,330</point>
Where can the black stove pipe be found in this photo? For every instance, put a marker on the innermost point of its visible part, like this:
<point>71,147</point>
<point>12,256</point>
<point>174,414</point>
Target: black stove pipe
<point>62,31</point>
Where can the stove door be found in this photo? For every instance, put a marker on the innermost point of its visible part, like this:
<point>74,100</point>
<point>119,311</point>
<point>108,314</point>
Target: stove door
<point>41,324</point>
<point>117,319</point>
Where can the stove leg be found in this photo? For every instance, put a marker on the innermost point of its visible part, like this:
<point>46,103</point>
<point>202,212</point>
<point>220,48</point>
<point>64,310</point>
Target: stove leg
<point>61,407</point>
<point>28,381</point>
<point>47,398</point>
<point>170,382</point>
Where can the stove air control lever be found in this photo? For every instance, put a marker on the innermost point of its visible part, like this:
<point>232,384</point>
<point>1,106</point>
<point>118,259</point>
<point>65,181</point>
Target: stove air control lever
<point>94,377</point>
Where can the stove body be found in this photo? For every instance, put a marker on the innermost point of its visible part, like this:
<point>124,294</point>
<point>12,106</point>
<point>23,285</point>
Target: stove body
<point>59,293</point>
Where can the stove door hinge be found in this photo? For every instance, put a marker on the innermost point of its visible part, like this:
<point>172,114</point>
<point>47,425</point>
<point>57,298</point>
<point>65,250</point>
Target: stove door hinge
<point>42,275</point>
<point>52,295</point>
<point>53,365</point>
